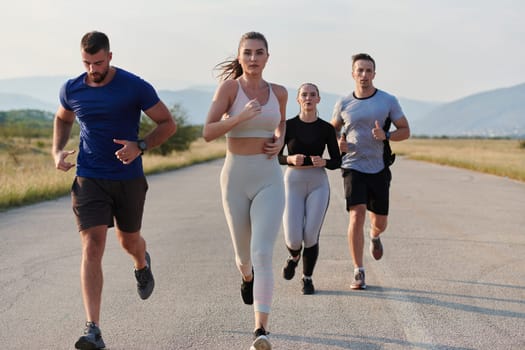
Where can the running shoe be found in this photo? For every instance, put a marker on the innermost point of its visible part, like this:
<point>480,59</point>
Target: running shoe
<point>92,338</point>
<point>260,340</point>
<point>376,248</point>
<point>247,290</point>
<point>359,280</point>
<point>145,281</point>
<point>289,268</point>
<point>308,286</point>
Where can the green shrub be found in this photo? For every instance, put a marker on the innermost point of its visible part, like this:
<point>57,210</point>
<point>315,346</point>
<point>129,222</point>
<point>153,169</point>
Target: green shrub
<point>182,139</point>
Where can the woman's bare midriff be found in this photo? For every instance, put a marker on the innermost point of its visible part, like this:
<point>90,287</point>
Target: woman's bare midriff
<point>246,146</point>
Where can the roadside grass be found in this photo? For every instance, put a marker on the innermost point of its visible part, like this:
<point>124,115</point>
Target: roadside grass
<point>200,151</point>
<point>500,157</point>
<point>28,175</point>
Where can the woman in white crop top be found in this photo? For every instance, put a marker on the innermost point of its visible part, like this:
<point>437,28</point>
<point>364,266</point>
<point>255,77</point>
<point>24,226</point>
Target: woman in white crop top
<point>251,112</point>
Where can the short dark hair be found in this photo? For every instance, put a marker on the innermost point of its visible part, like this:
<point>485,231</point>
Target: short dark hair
<point>362,56</point>
<point>93,42</point>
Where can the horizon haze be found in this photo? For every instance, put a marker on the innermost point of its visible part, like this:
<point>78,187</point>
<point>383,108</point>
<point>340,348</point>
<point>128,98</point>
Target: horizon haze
<point>425,50</point>
<point>493,113</point>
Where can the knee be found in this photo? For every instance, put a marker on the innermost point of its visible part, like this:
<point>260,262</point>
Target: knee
<point>379,226</point>
<point>129,241</point>
<point>92,249</point>
<point>262,257</point>
<point>128,244</point>
<point>357,215</point>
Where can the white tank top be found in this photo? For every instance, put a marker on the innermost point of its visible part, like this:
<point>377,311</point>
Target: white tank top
<point>264,124</point>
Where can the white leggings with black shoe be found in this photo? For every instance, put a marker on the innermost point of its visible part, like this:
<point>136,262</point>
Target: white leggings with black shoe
<point>253,199</point>
<point>307,197</point>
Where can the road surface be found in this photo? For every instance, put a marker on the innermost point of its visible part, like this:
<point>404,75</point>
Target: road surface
<point>452,277</point>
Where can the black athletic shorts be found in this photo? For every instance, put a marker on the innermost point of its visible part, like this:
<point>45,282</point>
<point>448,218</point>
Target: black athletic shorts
<point>370,189</point>
<point>105,202</point>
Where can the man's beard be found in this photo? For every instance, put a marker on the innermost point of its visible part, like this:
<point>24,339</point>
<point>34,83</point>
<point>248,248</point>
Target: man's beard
<point>98,77</point>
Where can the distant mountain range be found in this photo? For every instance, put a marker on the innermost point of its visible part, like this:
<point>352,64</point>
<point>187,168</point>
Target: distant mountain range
<point>494,113</point>
<point>197,101</point>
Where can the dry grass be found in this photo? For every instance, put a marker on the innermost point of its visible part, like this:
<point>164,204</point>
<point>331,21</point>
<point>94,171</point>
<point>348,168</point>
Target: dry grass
<point>28,174</point>
<point>200,151</point>
<point>497,157</point>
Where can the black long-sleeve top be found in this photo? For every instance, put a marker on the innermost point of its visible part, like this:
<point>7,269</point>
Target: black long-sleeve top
<point>310,139</point>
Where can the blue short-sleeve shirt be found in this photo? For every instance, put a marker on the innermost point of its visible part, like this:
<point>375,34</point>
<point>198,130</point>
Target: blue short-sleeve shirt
<point>105,113</point>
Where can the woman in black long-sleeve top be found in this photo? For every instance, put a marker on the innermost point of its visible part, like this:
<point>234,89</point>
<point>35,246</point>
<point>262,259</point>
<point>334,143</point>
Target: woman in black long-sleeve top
<point>306,183</point>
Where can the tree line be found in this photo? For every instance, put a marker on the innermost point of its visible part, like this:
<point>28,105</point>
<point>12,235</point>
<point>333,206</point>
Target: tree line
<point>30,123</point>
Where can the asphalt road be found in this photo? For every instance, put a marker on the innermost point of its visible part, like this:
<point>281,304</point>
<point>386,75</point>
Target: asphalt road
<point>452,277</point>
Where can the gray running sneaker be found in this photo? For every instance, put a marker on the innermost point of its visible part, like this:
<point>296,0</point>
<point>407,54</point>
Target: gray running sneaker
<point>145,281</point>
<point>92,338</point>
<point>359,281</point>
<point>261,341</point>
<point>376,248</point>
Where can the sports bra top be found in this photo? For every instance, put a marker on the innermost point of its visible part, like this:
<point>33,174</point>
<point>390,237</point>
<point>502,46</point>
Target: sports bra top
<point>262,125</point>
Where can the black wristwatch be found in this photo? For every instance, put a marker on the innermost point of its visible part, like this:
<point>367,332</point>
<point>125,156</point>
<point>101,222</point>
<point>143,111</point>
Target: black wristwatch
<point>142,146</point>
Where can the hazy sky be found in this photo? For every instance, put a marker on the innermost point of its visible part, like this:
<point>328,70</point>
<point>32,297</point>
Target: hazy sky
<point>432,50</point>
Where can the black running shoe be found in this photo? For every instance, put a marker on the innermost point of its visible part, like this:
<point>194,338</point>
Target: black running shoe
<point>145,281</point>
<point>260,340</point>
<point>247,290</point>
<point>359,281</point>
<point>376,248</point>
<point>289,268</point>
<point>308,286</point>
<point>92,338</point>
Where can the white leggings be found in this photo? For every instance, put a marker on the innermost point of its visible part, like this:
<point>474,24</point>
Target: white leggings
<point>307,197</point>
<point>253,199</point>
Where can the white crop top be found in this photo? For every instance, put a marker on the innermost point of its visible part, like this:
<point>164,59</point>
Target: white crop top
<point>264,124</point>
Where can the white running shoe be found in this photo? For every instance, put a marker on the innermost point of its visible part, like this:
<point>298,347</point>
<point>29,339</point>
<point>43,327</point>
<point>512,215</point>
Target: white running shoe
<point>261,341</point>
